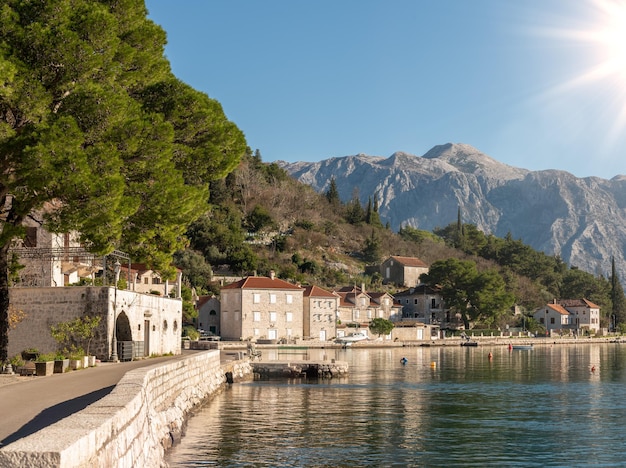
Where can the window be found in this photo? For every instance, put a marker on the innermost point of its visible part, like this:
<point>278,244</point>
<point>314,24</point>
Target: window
<point>289,317</point>
<point>237,316</point>
<point>289,299</point>
<point>369,313</point>
<point>256,316</point>
<point>213,312</point>
<point>414,301</point>
<point>272,298</point>
<point>146,280</point>
<point>156,280</point>
<point>289,332</point>
<point>255,332</point>
<point>272,316</point>
<point>433,304</point>
<point>552,320</point>
<point>256,298</point>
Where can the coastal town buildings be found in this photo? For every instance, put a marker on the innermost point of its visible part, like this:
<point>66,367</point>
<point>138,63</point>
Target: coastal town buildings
<point>422,303</point>
<point>49,291</point>
<point>143,279</point>
<point>320,311</point>
<point>261,308</point>
<point>403,271</point>
<point>569,315</point>
<point>209,314</point>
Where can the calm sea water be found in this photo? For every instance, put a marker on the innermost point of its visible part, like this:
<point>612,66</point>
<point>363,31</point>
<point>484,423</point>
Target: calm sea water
<point>552,406</point>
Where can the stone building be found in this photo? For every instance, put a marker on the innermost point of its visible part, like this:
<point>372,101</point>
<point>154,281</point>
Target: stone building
<point>320,311</point>
<point>261,308</point>
<point>209,314</point>
<point>569,315</point>
<point>145,324</point>
<point>403,271</point>
<point>422,303</point>
<point>143,279</point>
<point>357,308</point>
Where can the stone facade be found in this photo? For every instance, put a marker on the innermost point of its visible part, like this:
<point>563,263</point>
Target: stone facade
<point>403,271</point>
<point>320,311</point>
<point>423,304</point>
<point>135,424</point>
<point>151,323</point>
<point>259,307</point>
<point>145,280</point>
<point>357,308</point>
<point>209,314</point>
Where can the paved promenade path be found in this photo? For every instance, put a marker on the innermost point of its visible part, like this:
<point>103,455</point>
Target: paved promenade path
<point>28,404</point>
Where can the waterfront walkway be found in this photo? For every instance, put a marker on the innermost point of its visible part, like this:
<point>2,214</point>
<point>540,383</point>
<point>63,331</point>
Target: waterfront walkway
<point>28,404</point>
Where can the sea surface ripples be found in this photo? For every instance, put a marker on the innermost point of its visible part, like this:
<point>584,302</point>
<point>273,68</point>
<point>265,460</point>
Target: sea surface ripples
<point>552,406</point>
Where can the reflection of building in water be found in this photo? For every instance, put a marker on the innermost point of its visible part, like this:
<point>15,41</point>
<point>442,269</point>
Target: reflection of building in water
<point>569,315</point>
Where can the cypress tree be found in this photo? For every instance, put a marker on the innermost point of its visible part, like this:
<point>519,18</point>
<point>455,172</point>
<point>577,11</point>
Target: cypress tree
<point>617,297</point>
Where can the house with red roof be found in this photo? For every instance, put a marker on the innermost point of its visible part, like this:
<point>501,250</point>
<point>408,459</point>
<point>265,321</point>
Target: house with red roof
<point>357,308</point>
<point>261,308</point>
<point>403,271</point>
<point>569,315</point>
<point>320,311</point>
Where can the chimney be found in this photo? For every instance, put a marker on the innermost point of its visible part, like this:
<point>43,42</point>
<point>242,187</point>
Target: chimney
<point>363,288</point>
<point>272,274</point>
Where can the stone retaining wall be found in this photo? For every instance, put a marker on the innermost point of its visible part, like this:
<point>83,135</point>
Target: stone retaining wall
<point>135,424</point>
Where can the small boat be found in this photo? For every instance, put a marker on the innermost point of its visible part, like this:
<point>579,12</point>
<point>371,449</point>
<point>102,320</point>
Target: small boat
<point>521,347</point>
<point>469,343</point>
<point>352,338</point>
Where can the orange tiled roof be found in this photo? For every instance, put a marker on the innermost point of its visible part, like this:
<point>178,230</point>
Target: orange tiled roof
<point>316,291</point>
<point>261,282</point>
<point>410,261</point>
<point>558,308</point>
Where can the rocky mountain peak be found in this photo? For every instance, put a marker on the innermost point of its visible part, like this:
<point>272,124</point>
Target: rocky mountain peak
<point>581,219</point>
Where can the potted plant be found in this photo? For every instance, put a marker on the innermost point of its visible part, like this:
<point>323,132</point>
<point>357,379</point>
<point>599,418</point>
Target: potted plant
<point>30,354</point>
<point>61,363</point>
<point>76,358</point>
<point>44,364</point>
<point>73,336</point>
<point>16,363</point>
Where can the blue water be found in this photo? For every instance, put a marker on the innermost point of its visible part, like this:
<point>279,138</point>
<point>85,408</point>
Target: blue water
<point>448,406</point>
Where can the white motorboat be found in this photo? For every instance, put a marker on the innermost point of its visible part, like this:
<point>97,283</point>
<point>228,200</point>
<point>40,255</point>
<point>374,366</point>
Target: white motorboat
<point>352,338</point>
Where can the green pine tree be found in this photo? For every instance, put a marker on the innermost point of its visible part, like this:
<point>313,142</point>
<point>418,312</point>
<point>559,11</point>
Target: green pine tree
<point>95,129</point>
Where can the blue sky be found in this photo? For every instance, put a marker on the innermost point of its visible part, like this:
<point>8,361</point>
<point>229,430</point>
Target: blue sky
<point>538,84</point>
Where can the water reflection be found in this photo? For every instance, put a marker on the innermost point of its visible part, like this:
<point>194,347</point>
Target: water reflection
<point>552,406</point>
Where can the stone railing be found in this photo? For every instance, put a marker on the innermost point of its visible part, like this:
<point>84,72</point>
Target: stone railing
<point>135,424</point>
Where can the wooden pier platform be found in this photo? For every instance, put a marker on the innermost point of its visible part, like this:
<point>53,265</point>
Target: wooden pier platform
<point>309,369</point>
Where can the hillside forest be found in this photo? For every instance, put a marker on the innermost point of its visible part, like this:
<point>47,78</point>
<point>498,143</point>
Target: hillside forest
<point>260,220</point>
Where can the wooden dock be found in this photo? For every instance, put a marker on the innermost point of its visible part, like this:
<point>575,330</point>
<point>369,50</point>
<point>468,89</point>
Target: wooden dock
<point>292,369</point>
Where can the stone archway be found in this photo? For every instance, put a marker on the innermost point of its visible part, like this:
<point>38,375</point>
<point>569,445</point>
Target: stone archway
<point>122,328</point>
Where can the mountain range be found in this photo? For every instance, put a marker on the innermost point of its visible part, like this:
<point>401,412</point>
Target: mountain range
<point>581,219</point>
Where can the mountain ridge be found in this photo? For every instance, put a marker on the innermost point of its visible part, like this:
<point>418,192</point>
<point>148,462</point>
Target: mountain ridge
<point>581,219</point>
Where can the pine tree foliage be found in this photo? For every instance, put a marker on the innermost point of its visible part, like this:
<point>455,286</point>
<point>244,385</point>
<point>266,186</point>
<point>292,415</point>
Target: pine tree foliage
<point>98,135</point>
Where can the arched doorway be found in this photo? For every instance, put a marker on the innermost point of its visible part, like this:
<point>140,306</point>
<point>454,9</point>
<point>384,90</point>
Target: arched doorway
<point>124,337</point>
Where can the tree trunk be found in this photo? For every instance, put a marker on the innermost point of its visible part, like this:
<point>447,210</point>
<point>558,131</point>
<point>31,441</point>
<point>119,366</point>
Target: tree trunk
<point>4,303</point>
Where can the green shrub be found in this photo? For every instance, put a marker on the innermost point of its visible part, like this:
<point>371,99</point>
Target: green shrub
<point>191,332</point>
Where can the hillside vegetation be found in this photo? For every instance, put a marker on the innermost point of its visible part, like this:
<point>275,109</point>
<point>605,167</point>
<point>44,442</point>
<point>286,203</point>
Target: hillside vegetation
<point>261,220</point>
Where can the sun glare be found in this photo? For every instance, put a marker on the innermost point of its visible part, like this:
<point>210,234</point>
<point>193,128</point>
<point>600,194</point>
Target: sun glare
<point>611,35</point>
<point>599,38</point>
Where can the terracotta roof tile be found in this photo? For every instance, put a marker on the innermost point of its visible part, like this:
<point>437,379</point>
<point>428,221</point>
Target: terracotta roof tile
<point>409,261</point>
<point>261,282</point>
